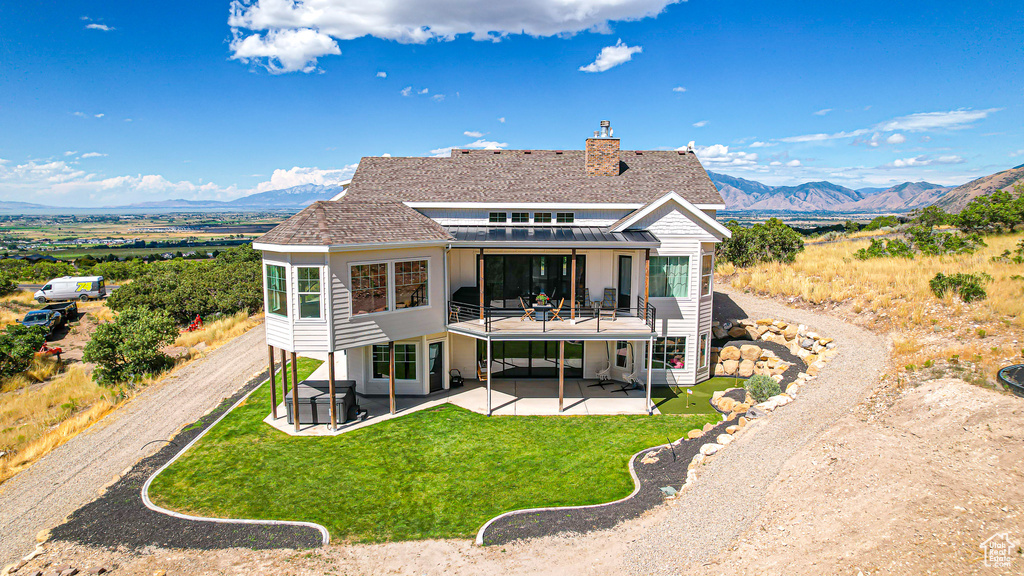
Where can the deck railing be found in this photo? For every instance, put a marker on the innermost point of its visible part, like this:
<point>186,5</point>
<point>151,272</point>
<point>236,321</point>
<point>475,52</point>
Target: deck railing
<point>466,312</point>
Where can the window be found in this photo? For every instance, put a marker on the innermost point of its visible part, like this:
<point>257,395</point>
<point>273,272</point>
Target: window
<point>405,361</point>
<point>622,354</point>
<point>542,217</point>
<point>670,353</point>
<point>670,276</point>
<point>277,291</point>
<point>702,352</point>
<point>520,217</point>
<point>369,288</point>
<point>565,217</point>
<point>309,292</point>
<point>497,217</point>
<point>411,284</point>
<point>707,269</point>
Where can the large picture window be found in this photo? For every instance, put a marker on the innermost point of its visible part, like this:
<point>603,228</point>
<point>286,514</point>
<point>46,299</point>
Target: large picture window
<point>707,268</point>
<point>309,292</point>
<point>277,291</point>
<point>670,353</point>
<point>369,288</point>
<point>405,361</point>
<point>411,284</point>
<point>670,276</point>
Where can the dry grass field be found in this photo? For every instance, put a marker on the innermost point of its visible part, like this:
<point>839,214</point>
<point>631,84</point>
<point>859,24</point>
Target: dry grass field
<point>892,294</point>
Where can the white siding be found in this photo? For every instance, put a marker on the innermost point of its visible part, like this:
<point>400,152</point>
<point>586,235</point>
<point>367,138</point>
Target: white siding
<point>279,328</point>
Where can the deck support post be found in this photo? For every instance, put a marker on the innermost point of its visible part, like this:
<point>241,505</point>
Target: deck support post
<point>650,371</point>
<point>391,374</point>
<point>647,280</point>
<point>561,375</point>
<point>481,282</point>
<point>330,386</point>
<point>284,375</point>
<point>295,391</point>
<point>487,373</point>
<point>572,290</point>
<point>273,383</point>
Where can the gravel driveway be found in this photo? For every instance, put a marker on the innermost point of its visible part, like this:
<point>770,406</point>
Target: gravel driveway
<point>725,497</point>
<point>71,476</point>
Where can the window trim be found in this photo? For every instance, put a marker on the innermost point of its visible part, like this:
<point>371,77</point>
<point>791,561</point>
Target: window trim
<point>664,357</point>
<point>625,357</point>
<point>391,285</point>
<point>266,281</point>
<point>298,296</point>
<point>703,350</point>
<point>416,362</point>
<point>550,218</point>
<point>709,275</point>
<point>513,215</point>
<point>491,217</point>
<point>689,276</point>
<point>571,218</point>
<point>394,282</point>
<point>389,297</point>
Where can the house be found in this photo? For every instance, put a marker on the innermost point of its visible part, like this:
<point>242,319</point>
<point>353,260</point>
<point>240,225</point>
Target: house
<point>425,265</point>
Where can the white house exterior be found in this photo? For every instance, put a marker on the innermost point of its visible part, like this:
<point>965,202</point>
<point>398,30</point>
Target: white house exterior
<point>423,261</point>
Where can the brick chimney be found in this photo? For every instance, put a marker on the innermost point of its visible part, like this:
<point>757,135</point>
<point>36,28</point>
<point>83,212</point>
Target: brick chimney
<point>602,154</point>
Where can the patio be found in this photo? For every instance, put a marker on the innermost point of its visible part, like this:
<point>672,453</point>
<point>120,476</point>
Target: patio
<point>532,397</point>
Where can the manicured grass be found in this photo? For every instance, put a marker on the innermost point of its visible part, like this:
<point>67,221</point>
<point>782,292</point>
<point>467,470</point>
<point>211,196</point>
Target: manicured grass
<point>436,473</point>
<point>673,399</point>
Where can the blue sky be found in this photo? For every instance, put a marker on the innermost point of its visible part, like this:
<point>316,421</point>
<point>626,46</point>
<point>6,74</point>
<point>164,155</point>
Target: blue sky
<point>118,102</point>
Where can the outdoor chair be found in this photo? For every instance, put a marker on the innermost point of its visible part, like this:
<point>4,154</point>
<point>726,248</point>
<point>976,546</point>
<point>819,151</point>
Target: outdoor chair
<point>609,302</point>
<point>555,311</point>
<point>528,311</point>
<point>481,373</point>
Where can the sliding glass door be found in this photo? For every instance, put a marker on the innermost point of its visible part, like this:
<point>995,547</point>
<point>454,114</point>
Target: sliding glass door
<point>531,359</point>
<point>509,277</point>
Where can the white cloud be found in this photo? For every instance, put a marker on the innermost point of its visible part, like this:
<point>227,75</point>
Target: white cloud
<point>425,20</point>
<point>679,89</point>
<point>502,119</point>
<point>101,115</point>
<point>612,56</point>
<point>382,74</point>
<point>719,156</point>
<point>102,27</point>
<point>480,144</point>
<point>438,97</point>
<point>424,91</point>
<point>281,51</point>
<point>824,137</point>
<point>793,163</point>
<point>406,91</point>
<point>823,111</point>
<point>919,161</point>
<point>896,138</point>
<point>92,155</point>
<point>1017,153</point>
<point>298,175</point>
<point>71,153</point>
<point>79,114</point>
<point>700,124</point>
<point>473,134</point>
<point>924,121</point>
<point>761,144</point>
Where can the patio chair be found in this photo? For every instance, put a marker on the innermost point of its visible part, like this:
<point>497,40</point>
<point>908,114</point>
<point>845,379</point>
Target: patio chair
<point>481,373</point>
<point>555,311</point>
<point>528,311</point>
<point>609,303</point>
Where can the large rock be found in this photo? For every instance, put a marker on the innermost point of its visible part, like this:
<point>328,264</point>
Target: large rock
<point>737,332</point>
<point>807,343</point>
<point>732,353</point>
<point>753,333</point>
<point>729,367</point>
<point>731,429</point>
<point>750,352</point>
<point>789,332</point>
<point>709,449</point>
<point>694,434</point>
<point>724,439</point>
<point>719,333</point>
<point>718,370</point>
<point>746,369</point>
<point>708,426</point>
<point>725,404</point>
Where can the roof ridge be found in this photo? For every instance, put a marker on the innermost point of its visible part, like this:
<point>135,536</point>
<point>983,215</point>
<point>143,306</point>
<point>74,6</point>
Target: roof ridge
<point>321,221</point>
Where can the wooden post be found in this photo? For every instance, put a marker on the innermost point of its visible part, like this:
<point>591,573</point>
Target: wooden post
<point>284,375</point>
<point>647,280</point>
<point>273,384</point>
<point>572,290</point>
<point>561,375</point>
<point>330,386</point>
<point>481,281</point>
<point>295,391</point>
<point>391,374</point>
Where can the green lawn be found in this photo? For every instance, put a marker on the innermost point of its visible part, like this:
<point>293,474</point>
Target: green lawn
<point>673,399</point>
<point>436,473</point>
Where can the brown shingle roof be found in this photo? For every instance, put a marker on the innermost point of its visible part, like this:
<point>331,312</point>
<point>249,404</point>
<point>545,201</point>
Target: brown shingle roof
<point>531,176</point>
<point>354,222</point>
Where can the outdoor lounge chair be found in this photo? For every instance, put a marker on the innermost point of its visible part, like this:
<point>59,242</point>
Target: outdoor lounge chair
<point>609,302</point>
<point>481,373</point>
<point>528,310</point>
<point>555,311</point>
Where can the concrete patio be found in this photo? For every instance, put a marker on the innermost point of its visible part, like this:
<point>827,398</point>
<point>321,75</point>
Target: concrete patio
<point>533,397</point>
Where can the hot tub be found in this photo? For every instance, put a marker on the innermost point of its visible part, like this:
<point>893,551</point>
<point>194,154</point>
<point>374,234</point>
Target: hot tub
<point>1013,378</point>
<point>315,402</point>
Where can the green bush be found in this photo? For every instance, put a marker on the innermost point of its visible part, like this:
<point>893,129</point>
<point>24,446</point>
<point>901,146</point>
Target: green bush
<point>762,387</point>
<point>998,211</point>
<point>7,284</point>
<point>969,287</point>
<point>128,349</point>
<point>772,241</point>
<point>931,216</point>
<point>885,249</point>
<point>18,344</point>
<point>880,222</point>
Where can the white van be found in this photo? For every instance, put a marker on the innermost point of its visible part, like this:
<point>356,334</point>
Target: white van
<point>72,288</point>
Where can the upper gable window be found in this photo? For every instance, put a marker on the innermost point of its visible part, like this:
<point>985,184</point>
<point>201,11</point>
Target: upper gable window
<point>565,218</point>
<point>520,217</point>
<point>497,217</point>
<point>542,217</point>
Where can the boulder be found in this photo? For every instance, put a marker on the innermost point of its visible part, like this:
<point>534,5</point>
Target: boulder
<point>764,322</point>
<point>752,333</point>
<point>806,343</point>
<point>755,412</point>
<point>750,352</point>
<point>725,404</point>
<point>815,368</point>
<point>709,449</point>
<point>789,332</point>
<point>718,369</point>
<point>694,434</point>
<point>729,367</point>
<point>740,407</point>
<point>742,421</point>
<point>697,460</point>
<point>793,389</point>
<point>731,429</point>
<point>724,439</point>
<point>719,333</point>
<point>737,332</point>
<point>731,353</point>
<point>746,369</point>
<point>708,426</point>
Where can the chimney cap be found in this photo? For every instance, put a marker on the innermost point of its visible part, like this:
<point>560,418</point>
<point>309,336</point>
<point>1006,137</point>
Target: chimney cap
<point>606,130</point>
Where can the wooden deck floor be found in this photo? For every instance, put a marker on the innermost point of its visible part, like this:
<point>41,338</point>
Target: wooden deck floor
<point>584,328</point>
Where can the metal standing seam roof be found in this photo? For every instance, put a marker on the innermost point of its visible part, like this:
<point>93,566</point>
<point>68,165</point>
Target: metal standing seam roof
<point>564,235</point>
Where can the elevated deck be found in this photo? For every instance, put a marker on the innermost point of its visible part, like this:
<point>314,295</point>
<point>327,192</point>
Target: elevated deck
<point>619,328</point>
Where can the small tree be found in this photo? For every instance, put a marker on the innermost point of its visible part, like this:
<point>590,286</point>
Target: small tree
<point>129,347</point>
<point>18,344</point>
<point>7,284</point>
<point>772,241</point>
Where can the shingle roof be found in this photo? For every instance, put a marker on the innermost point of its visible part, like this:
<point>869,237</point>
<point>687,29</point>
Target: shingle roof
<point>531,176</point>
<point>353,222</point>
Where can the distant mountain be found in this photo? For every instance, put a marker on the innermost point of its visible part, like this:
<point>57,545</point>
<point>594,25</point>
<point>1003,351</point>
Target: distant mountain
<point>15,206</point>
<point>958,198</point>
<point>294,197</point>
<point>902,198</point>
<point>870,191</point>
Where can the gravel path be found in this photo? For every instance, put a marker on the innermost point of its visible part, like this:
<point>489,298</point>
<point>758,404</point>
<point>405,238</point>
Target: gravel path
<point>724,498</point>
<point>69,477</point>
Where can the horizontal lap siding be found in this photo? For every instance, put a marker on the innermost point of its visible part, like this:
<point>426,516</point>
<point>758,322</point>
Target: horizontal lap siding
<point>480,217</point>
<point>278,328</point>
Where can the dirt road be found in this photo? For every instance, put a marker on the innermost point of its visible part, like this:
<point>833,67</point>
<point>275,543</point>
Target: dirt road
<point>70,476</point>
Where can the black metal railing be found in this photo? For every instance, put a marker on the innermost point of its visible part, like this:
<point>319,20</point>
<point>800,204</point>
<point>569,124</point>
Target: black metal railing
<point>650,313</point>
<point>466,312</point>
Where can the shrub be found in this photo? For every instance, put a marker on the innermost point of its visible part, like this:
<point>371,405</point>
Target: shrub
<point>772,241</point>
<point>880,222</point>
<point>1000,210</point>
<point>18,345</point>
<point>968,286</point>
<point>930,217</point>
<point>7,284</point>
<point>128,348</point>
<point>762,387</point>
<point>884,249</point>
